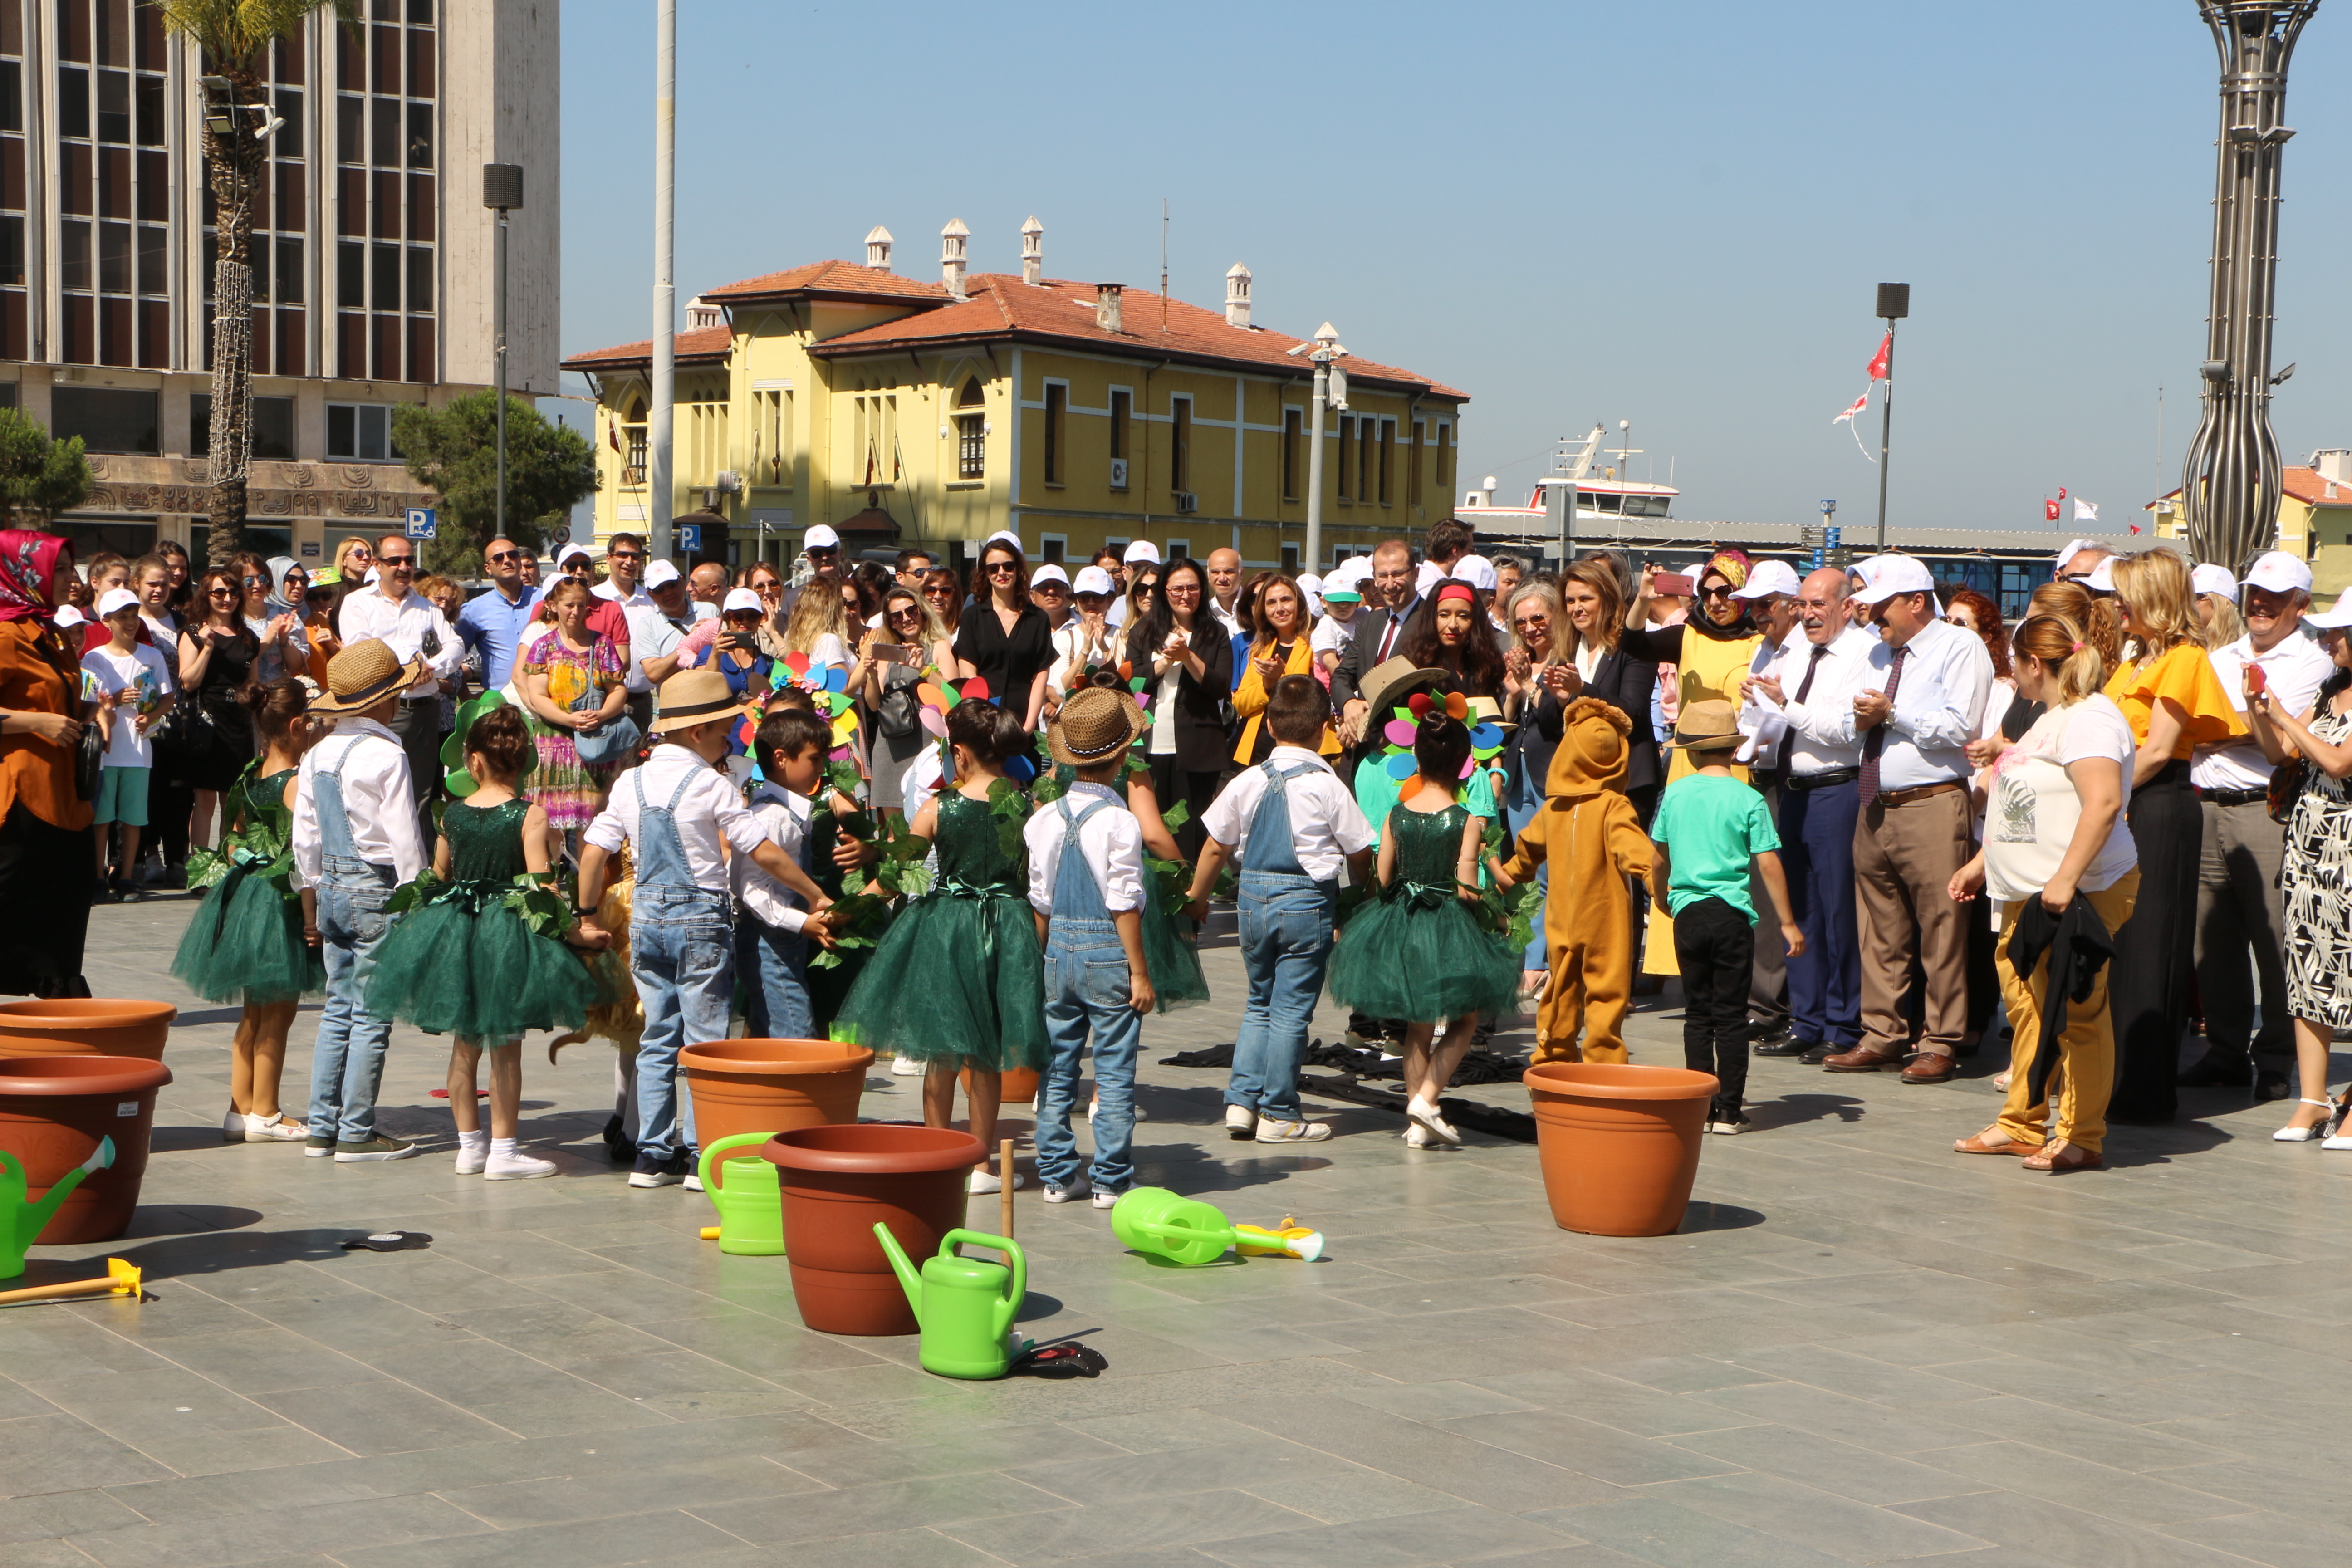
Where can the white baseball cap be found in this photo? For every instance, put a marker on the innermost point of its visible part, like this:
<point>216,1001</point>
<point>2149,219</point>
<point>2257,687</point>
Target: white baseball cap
<point>1476,571</point>
<point>820,538</point>
<point>2102,577</point>
<point>1141,550</point>
<point>2279,572</point>
<point>2341,615</point>
<point>1051,571</point>
<point>1890,576</point>
<point>658,575</point>
<point>67,616</point>
<point>115,599</point>
<point>2208,578</point>
<point>2074,547</point>
<point>742,599</point>
<point>1005,534</point>
<point>1769,578</point>
<point>572,552</point>
<point>1093,580</point>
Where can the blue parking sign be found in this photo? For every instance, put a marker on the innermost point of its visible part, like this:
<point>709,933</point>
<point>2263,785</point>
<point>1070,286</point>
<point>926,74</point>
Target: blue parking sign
<point>421,522</point>
<point>689,538</point>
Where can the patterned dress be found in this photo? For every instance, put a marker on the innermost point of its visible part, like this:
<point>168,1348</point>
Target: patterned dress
<point>570,791</point>
<point>2317,869</point>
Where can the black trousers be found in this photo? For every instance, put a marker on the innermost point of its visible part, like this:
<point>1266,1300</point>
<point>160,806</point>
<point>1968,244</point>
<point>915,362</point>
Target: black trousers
<point>1196,790</point>
<point>2156,952</point>
<point>170,801</point>
<point>1716,945</point>
<point>44,905</point>
<point>417,723</point>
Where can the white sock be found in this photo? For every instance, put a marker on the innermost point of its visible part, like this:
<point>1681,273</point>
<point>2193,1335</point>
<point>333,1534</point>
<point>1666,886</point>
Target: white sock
<point>473,1139</point>
<point>503,1148</point>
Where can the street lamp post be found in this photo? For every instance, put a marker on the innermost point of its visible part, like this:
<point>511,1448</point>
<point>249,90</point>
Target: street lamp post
<point>1330,390</point>
<point>659,418</point>
<point>502,193</point>
<point>1893,305</point>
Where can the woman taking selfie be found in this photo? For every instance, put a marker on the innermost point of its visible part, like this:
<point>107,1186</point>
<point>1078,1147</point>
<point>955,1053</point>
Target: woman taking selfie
<point>896,736</point>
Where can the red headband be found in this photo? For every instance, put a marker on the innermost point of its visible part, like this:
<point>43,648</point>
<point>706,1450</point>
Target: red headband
<point>1461,591</point>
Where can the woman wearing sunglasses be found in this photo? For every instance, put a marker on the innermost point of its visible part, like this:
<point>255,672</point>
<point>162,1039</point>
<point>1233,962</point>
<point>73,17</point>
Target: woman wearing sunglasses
<point>897,733</point>
<point>217,655</point>
<point>943,596</point>
<point>1006,642</point>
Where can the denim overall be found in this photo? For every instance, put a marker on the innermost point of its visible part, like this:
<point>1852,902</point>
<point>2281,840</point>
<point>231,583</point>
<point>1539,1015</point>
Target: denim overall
<point>347,1063</point>
<point>774,963</point>
<point>682,957</point>
<point>1285,942</point>
<point>1087,985</point>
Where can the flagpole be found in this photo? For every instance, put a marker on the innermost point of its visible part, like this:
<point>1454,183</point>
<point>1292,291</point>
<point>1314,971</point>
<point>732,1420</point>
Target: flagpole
<point>1894,304</point>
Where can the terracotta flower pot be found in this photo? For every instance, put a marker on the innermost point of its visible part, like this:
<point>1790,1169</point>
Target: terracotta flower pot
<point>1019,1085</point>
<point>85,1027</point>
<point>53,1111</point>
<point>1619,1143</point>
<point>772,1086</point>
<point>839,1182</point>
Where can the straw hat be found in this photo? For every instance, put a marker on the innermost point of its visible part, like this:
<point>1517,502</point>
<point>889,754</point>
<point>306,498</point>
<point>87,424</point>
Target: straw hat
<point>694,697</point>
<point>364,674</point>
<point>1705,726</point>
<point>1095,726</point>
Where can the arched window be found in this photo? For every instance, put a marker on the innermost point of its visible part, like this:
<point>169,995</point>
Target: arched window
<point>971,431</point>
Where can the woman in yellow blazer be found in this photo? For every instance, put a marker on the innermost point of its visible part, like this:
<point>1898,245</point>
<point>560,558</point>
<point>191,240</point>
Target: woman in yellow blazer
<point>1281,648</point>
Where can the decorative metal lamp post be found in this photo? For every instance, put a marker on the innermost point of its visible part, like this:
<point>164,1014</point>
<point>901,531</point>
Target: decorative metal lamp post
<point>2229,484</point>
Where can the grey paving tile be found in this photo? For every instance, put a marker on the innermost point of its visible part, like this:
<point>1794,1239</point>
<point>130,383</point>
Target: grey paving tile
<point>2121,1444</point>
<point>63,1453</point>
<point>1452,1536</point>
<point>929,1500</point>
<point>856,1464</point>
<point>1824,1463</point>
<point>587,1543</point>
<point>31,1519</point>
<point>1812,1518</point>
<point>1141,1525</point>
<point>222,1453</point>
<point>332,1528</point>
<point>1261,1467</point>
<point>610,1491</point>
<point>2037,1472</point>
<point>2066,1534</point>
<point>882,1549</point>
<point>382,1418</point>
<point>1651,1529</point>
<point>1350,1495</point>
<point>1860,1421</point>
<point>1602,1452</point>
<point>1594,1395</point>
<point>1428,1454</point>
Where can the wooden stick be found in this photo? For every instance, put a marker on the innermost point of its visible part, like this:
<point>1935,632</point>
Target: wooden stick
<point>120,1277</point>
<point>1004,1195</point>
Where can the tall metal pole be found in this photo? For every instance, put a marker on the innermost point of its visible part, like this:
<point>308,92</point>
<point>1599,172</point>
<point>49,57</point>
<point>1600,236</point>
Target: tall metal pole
<point>498,333</point>
<point>657,432</point>
<point>1315,464</point>
<point>1885,434</point>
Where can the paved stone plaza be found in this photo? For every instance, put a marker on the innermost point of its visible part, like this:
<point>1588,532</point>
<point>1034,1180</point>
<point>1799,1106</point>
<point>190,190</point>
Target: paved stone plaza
<point>1862,1349</point>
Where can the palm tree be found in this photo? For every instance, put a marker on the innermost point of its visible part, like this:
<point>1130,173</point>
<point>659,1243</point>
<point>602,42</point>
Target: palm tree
<point>232,36</point>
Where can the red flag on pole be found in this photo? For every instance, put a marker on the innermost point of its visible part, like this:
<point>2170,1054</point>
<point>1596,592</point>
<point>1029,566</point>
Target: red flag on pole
<point>2050,510</point>
<point>1878,361</point>
<point>2062,492</point>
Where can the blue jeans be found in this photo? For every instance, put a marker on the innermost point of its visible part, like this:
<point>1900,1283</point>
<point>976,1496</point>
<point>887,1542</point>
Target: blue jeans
<point>1086,988</point>
<point>682,957</point>
<point>347,1063</point>
<point>774,964</point>
<point>1286,941</point>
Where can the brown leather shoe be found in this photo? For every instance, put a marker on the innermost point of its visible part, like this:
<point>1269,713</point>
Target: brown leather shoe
<point>1861,1059</point>
<point>1930,1066</point>
<point>1977,1145</point>
<point>2057,1159</point>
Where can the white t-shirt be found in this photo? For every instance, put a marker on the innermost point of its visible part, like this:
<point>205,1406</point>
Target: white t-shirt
<point>1331,637</point>
<point>106,672</point>
<point>2031,815</point>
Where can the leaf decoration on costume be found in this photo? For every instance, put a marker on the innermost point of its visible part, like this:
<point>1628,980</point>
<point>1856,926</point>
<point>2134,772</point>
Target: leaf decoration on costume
<point>858,920</point>
<point>1051,787</point>
<point>538,906</point>
<point>975,689</point>
<point>410,894</point>
<point>842,777</point>
<point>1010,809</point>
<point>207,867</point>
<point>1177,815</point>
<point>1175,882</point>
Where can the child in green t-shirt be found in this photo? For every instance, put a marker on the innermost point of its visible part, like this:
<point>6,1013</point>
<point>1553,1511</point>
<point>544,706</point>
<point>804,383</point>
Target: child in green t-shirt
<point>1709,828</point>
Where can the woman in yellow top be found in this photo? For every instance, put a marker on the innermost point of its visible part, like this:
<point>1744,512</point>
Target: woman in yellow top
<point>2175,703</point>
<point>1281,648</point>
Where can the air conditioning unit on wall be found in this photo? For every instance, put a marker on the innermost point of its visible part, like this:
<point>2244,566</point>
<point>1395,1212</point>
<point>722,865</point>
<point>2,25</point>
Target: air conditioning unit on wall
<point>1119,473</point>
<point>726,482</point>
<point>1187,501</point>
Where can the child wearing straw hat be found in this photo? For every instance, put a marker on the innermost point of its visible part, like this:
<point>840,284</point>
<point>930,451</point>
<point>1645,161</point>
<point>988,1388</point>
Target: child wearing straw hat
<point>1086,886</point>
<point>355,839</point>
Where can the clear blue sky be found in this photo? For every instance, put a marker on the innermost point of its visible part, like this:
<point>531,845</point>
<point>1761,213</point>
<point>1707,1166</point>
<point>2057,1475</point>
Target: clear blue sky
<point>1574,212</point>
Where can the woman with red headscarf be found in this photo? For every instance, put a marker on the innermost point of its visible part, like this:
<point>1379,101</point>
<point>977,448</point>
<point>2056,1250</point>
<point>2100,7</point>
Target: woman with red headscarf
<point>44,821</point>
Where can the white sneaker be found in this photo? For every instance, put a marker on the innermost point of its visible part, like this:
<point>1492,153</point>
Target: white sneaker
<point>472,1156</point>
<point>1104,1198</point>
<point>1078,1189</point>
<point>1240,1121</point>
<point>1272,1132</point>
<point>984,1179</point>
<point>233,1127</point>
<point>273,1130</point>
<point>906,1067</point>
<point>1416,1137</point>
<point>517,1167</point>
<point>1425,1117</point>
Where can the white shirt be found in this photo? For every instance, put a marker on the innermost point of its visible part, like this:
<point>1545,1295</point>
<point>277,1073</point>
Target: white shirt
<point>1938,705</point>
<point>1821,729</point>
<point>921,781</point>
<point>652,635</point>
<point>2296,667</point>
<point>784,819</point>
<point>2031,814</point>
<point>709,811</point>
<point>1331,637</point>
<point>378,807</point>
<point>1226,617</point>
<point>167,641</point>
<point>1111,841</point>
<point>1070,653</point>
<point>106,672</point>
<point>635,599</point>
<point>405,628</point>
<point>1327,825</point>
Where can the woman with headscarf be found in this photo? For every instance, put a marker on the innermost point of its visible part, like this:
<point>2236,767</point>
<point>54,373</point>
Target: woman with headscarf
<point>44,821</point>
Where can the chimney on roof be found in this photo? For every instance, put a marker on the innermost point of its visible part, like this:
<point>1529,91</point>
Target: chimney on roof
<point>877,249</point>
<point>1033,251</point>
<point>1238,295</point>
<point>698,314</point>
<point>955,244</point>
<point>2334,464</point>
<point>1106,306</point>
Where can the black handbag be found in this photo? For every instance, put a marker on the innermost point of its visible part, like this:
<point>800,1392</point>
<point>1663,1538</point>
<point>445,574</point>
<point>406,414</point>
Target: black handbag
<point>2287,780</point>
<point>89,757</point>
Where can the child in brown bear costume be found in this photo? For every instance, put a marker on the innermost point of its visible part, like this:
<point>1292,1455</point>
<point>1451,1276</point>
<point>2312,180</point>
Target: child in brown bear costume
<point>1588,833</point>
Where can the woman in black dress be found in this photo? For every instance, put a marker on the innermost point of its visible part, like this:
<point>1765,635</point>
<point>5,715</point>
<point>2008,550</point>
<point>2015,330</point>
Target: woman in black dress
<point>1187,663</point>
<point>217,654</point>
<point>1005,640</point>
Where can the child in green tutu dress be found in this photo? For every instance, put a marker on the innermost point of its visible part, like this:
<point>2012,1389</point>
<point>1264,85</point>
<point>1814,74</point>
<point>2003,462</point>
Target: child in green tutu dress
<point>1416,953</point>
<point>245,941</point>
<point>470,958</point>
<point>958,980</point>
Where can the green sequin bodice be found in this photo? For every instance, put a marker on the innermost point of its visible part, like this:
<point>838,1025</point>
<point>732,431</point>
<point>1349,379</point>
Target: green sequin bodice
<point>485,841</point>
<point>971,859</point>
<point>1428,844</point>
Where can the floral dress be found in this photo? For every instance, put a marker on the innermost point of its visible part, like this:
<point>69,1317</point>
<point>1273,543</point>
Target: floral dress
<point>2316,869</point>
<point>570,791</point>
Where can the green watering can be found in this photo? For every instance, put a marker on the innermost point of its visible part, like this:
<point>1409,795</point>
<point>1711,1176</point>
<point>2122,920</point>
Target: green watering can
<point>965,1305</point>
<point>1161,1224</point>
<point>749,1196</point>
<point>21,1221</point>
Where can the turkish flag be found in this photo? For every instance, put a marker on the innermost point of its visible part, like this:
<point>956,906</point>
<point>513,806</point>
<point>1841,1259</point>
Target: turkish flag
<point>2050,511</point>
<point>2062,492</point>
<point>2135,528</point>
<point>1878,361</point>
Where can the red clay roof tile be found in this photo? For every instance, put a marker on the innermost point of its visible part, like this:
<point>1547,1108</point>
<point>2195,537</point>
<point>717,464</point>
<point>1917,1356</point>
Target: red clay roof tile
<point>709,344</point>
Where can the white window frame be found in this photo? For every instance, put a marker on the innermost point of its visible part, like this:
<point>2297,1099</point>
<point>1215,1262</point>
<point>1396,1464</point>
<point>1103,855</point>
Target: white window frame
<point>359,412</point>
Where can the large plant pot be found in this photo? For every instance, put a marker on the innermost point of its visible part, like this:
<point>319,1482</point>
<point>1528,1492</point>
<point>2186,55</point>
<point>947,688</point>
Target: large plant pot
<point>839,1182</point>
<point>772,1086</point>
<point>1619,1143</point>
<point>1016,1086</point>
<point>53,1111</point>
<point>85,1027</point>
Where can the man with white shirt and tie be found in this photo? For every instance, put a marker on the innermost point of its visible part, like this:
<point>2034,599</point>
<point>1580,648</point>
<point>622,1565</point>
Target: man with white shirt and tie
<point>1770,595</point>
<point>2238,915</point>
<point>1920,700</point>
<point>395,613</point>
<point>1390,597</point>
<point>1815,770</point>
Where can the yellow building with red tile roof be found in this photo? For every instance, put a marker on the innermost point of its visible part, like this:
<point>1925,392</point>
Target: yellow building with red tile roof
<point>902,412</point>
<point>2314,519</point>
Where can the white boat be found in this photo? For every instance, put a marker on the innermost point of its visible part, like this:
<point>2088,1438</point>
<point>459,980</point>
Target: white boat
<point>1605,500</point>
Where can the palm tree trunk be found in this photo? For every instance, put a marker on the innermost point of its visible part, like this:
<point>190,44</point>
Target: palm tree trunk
<point>233,163</point>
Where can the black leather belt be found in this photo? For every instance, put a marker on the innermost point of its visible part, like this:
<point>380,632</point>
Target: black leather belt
<point>1826,779</point>
<point>2234,797</point>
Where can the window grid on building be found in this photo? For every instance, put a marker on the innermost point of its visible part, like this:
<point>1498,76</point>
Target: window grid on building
<point>1057,409</point>
<point>1387,463</point>
<point>1293,423</point>
<point>385,140</point>
<point>1122,409</point>
<point>773,464</point>
<point>113,183</point>
<point>277,246</point>
<point>1346,448</point>
<point>971,434</point>
<point>1180,445</point>
<point>1412,467</point>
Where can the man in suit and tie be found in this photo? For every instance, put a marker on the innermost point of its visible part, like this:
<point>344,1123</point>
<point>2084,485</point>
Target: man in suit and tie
<point>1390,598</point>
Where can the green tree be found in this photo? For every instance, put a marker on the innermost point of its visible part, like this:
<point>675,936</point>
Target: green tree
<point>39,477</point>
<point>454,449</point>
<point>232,36</point>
